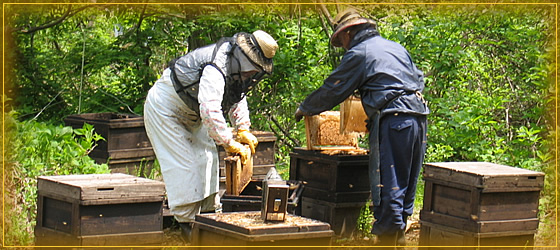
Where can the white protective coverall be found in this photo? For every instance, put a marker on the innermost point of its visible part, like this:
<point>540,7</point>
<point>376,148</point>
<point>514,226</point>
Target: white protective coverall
<point>184,143</point>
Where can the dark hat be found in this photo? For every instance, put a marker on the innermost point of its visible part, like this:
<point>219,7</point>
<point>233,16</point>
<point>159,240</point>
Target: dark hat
<point>345,19</point>
<point>259,47</point>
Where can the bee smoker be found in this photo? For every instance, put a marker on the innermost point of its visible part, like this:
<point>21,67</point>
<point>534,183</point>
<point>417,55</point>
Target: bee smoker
<point>275,197</point>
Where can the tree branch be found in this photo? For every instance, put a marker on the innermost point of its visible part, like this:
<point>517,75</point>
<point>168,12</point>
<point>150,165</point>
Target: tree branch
<point>326,13</point>
<point>69,13</point>
<point>286,134</point>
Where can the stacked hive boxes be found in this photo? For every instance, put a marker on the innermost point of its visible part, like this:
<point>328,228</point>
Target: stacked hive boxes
<point>336,187</point>
<point>479,204</point>
<point>126,148</point>
<point>99,210</point>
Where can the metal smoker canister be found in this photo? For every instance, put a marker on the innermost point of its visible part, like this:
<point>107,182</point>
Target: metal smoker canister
<point>275,197</point>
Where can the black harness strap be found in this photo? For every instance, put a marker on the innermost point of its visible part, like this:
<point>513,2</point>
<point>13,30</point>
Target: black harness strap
<point>189,93</point>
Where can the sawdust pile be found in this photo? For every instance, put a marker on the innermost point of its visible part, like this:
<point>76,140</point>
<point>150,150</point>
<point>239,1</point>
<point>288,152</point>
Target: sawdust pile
<point>253,219</point>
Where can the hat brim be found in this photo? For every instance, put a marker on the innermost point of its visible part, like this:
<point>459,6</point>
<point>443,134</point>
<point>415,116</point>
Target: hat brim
<point>253,52</point>
<point>335,40</point>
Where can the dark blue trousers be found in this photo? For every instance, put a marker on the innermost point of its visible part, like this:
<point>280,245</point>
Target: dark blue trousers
<point>402,145</point>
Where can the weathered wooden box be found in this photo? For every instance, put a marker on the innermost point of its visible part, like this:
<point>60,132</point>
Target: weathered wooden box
<point>99,210</point>
<point>126,148</point>
<point>332,178</point>
<point>246,230</point>
<point>481,197</point>
<point>342,216</point>
<point>433,236</point>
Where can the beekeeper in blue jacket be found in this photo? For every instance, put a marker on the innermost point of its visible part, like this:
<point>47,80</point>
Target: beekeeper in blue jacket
<point>185,111</point>
<point>391,88</point>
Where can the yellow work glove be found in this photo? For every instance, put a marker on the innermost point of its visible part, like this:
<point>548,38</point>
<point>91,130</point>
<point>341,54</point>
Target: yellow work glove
<point>244,136</point>
<point>235,147</point>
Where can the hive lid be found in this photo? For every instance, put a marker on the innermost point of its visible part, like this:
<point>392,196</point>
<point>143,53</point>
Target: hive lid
<point>485,169</point>
<point>102,188</point>
<point>489,177</point>
<point>251,223</point>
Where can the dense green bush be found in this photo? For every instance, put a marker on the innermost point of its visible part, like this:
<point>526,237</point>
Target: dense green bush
<point>39,149</point>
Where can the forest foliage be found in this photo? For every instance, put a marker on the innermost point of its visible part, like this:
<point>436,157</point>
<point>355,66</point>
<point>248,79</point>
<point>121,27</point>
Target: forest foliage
<point>489,72</point>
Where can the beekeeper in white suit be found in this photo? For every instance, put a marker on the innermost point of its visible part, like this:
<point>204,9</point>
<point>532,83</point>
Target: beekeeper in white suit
<point>184,116</point>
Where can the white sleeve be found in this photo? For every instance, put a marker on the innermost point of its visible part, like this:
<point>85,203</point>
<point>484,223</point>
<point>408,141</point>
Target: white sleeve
<point>210,95</point>
<point>239,115</point>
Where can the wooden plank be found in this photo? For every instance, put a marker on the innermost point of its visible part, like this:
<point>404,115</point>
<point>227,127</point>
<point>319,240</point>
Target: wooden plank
<point>484,169</point>
<point>509,205</point>
<point>147,152</point>
<point>57,215</point>
<point>101,186</point>
<point>124,239</point>
<point>230,167</point>
<point>121,218</point>
<point>238,175</point>
<point>427,204</point>
<point>147,191</point>
<point>49,187</point>
<point>510,225</point>
<point>308,132</point>
<point>353,196</point>
<point>480,227</point>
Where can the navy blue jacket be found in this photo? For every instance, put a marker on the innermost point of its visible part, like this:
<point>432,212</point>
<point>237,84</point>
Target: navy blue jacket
<point>381,70</point>
<point>388,82</point>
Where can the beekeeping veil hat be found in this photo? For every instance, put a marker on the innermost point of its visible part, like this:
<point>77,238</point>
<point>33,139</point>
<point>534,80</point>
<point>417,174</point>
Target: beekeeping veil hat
<point>345,19</point>
<point>259,47</point>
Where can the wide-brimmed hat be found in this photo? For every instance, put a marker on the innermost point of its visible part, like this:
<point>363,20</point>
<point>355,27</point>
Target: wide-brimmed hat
<point>259,47</point>
<point>345,19</point>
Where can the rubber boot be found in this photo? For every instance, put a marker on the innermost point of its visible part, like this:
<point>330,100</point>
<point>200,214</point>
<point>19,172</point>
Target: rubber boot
<point>389,241</point>
<point>186,231</point>
<point>401,240</point>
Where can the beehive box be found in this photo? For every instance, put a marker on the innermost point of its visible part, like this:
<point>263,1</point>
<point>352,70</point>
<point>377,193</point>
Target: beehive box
<point>481,197</point>
<point>342,216</point>
<point>126,148</point>
<point>99,210</point>
<point>333,178</point>
<point>245,230</point>
<point>434,236</point>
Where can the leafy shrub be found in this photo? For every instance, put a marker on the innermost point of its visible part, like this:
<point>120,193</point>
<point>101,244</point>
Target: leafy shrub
<point>40,149</point>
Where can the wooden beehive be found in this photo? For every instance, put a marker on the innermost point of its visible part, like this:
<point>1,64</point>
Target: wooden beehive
<point>323,132</point>
<point>342,216</point>
<point>246,230</point>
<point>99,210</point>
<point>434,236</point>
<point>332,178</point>
<point>126,148</point>
<point>481,197</point>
